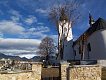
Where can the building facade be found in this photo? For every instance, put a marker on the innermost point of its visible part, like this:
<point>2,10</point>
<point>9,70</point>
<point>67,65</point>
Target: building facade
<point>65,38</point>
<point>91,45</point>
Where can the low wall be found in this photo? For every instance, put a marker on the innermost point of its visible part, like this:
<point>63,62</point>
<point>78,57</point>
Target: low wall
<point>19,76</point>
<point>85,73</point>
<point>80,72</point>
<point>76,72</point>
<point>34,74</point>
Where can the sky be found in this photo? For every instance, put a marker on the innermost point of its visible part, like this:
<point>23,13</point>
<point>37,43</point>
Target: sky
<point>24,23</point>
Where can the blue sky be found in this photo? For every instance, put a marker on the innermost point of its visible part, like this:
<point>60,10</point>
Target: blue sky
<point>24,23</point>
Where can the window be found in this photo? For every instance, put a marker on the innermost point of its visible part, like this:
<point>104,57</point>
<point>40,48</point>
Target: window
<point>75,52</point>
<point>80,49</point>
<point>89,47</point>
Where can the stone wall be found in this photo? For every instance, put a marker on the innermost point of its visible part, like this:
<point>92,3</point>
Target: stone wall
<point>80,72</point>
<point>76,72</point>
<point>85,73</point>
<point>37,69</point>
<point>34,74</point>
<point>64,67</point>
<point>19,76</point>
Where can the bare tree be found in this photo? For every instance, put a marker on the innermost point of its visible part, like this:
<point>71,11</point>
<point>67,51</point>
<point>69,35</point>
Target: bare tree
<point>65,12</point>
<point>47,47</point>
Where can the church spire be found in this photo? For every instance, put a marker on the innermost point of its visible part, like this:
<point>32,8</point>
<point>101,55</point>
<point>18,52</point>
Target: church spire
<point>91,20</point>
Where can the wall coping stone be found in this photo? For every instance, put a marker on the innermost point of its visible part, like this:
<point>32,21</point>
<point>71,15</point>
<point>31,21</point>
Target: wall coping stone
<point>85,66</point>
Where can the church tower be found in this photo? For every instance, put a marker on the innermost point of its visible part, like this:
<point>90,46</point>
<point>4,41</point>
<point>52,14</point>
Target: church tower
<point>65,37</point>
<point>91,20</point>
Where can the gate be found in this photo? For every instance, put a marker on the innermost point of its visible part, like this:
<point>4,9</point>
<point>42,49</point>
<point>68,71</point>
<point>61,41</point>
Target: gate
<point>51,73</point>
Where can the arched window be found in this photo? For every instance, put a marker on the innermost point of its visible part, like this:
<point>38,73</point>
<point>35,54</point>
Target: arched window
<point>89,47</point>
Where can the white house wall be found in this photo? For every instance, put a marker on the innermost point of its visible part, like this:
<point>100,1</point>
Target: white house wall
<point>98,45</point>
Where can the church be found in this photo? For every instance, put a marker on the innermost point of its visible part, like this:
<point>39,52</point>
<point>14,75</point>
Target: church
<point>91,45</point>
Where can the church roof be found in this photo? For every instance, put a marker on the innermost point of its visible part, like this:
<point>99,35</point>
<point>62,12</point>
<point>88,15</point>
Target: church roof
<point>98,25</point>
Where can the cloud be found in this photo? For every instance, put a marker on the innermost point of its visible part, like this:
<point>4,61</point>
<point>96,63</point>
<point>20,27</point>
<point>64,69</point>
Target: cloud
<point>40,23</point>
<point>55,38</point>
<point>14,13</point>
<point>31,20</point>
<point>22,47</point>
<point>19,47</point>
<point>13,27</point>
<point>15,18</point>
<point>42,11</point>
<point>10,27</point>
<point>40,29</point>
<point>1,34</point>
<point>36,32</point>
<point>18,43</point>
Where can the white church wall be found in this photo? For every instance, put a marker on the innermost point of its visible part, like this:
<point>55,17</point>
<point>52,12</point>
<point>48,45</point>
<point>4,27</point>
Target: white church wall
<point>70,36</point>
<point>98,45</point>
<point>68,50</point>
<point>76,50</point>
<point>102,63</point>
<point>86,54</point>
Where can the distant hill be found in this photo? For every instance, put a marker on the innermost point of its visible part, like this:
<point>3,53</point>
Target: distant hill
<point>35,58</point>
<point>12,57</point>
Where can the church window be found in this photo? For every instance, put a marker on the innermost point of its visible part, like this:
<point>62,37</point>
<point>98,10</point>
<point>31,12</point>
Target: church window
<point>89,47</point>
<point>75,52</point>
<point>79,49</point>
